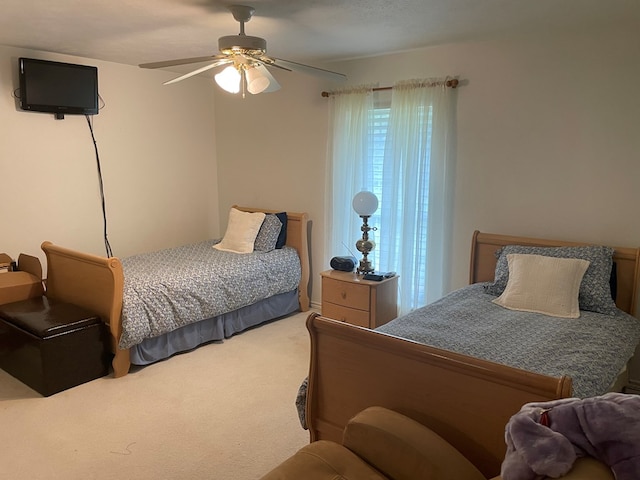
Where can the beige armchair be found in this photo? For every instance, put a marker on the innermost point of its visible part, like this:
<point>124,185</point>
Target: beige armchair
<point>380,444</point>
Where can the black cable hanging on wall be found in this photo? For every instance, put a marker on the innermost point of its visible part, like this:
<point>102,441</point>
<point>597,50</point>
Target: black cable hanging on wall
<point>104,209</point>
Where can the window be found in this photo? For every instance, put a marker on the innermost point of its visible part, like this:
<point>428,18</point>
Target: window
<point>398,150</point>
<point>376,160</point>
<point>385,181</point>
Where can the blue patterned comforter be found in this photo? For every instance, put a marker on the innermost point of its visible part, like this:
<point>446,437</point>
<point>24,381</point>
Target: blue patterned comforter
<point>171,288</point>
<point>592,349</point>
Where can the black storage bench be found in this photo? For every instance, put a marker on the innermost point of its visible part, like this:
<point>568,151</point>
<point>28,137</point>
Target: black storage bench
<point>52,346</point>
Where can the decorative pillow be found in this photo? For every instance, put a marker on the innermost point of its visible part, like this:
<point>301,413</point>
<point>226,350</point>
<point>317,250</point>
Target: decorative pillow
<point>544,285</point>
<point>268,234</point>
<point>241,233</point>
<point>595,290</point>
<point>282,238</point>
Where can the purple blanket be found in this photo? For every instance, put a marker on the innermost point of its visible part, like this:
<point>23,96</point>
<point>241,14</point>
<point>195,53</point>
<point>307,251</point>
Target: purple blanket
<point>544,439</point>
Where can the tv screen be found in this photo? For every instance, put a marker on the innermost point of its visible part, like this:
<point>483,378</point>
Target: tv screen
<point>56,87</point>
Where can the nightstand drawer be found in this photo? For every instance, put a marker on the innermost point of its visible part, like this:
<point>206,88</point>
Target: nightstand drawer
<point>348,294</point>
<point>345,314</point>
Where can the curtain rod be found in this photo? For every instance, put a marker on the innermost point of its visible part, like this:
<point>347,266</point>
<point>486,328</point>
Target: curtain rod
<point>453,83</point>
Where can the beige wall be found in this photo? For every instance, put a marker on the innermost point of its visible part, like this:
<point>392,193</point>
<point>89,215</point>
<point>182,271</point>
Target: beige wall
<point>271,153</point>
<point>547,141</point>
<point>546,146</point>
<point>157,151</point>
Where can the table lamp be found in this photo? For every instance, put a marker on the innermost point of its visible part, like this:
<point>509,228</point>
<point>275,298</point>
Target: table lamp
<point>365,204</point>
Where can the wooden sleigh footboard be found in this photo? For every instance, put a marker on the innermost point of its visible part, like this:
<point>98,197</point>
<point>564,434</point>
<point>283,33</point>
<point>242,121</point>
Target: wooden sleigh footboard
<point>92,282</point>
<point>465,400</point>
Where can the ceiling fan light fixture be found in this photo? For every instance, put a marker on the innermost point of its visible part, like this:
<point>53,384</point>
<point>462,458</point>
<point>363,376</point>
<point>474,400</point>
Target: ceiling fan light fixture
<point>229,79</point>
<point>256,81</point>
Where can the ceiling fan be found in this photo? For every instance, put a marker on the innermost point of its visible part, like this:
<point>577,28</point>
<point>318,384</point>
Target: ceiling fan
<point>246,60</point>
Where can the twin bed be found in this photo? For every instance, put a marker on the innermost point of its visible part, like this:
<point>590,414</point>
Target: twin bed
<point>464,365</point>
<point>177,299</point>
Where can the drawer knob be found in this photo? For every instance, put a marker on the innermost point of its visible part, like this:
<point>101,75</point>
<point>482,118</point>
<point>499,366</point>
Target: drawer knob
<point>343,294</point>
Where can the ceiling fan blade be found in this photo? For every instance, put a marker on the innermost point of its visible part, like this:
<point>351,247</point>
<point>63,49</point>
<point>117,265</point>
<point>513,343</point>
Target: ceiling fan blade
<point>300,67</point>
<point>268,61</point>
<point>223,61</point>
<point>182,61</point>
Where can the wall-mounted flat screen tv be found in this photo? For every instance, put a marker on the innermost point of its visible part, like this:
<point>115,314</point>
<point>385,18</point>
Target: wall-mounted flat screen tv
<point>56,87</point>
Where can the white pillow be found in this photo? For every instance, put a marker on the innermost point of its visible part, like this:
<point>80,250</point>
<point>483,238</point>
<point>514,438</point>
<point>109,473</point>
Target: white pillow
<point>241,233</point>
<point>544,285</point>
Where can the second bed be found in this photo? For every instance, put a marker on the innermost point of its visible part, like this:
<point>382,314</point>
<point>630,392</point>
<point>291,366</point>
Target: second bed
<point>161,303</point>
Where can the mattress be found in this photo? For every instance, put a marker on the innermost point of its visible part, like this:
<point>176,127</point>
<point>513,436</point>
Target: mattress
<point>591,349</point>
<point>172,288</point>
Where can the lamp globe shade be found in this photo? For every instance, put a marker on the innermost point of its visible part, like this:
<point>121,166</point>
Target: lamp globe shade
<point>365,203</point>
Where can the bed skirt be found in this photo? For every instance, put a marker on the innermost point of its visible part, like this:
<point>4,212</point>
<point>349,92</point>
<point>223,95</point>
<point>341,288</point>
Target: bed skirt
<point>217,328</point>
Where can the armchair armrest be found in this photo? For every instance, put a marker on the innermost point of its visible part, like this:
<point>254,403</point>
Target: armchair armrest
<point>587,468</point>
<point>404,449</point>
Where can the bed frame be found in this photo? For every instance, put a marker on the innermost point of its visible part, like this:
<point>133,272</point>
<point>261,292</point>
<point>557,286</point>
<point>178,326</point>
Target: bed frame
<point>97,283</point>
<point>465,400</point>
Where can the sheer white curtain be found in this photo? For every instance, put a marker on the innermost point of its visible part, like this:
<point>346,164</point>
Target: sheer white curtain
<point>349,170</point>
<point>416,199</point>
<point>402,153</point>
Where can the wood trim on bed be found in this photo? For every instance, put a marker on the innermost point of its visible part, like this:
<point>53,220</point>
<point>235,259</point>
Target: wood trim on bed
<point>97,283</point>
<point>465,400</point>
<point>92,282</point>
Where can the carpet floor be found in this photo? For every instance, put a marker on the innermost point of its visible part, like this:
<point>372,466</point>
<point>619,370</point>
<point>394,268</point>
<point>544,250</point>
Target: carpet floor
<point>223,411</point>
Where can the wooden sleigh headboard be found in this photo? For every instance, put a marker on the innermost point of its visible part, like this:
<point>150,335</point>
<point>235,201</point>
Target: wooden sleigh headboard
<point>297,237</point>
<point>465,400</point>
<point>627,260</point>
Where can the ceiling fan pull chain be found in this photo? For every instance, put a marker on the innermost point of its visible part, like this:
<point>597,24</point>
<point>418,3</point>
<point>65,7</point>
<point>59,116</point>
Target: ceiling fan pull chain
<point>243,82</point>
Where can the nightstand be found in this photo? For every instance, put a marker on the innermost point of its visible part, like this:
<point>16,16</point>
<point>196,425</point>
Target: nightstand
<point>349,298</point>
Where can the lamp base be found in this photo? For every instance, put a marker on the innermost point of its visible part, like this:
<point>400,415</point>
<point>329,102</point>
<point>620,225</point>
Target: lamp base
<point>364,246</point>
<point>365,267</point>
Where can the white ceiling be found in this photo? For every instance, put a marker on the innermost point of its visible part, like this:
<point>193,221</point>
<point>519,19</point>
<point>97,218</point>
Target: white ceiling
<point>309,31</point>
